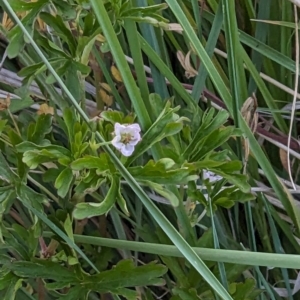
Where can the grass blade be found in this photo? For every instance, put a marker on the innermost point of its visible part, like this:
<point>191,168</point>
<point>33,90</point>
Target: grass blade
<point>289,261</point>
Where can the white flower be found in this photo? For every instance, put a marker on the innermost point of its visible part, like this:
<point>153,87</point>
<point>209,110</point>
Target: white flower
<point>126,137</point>
<point>212,177</point>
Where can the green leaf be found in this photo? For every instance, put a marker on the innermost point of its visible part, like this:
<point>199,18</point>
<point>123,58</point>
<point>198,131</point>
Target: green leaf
<point>229,170</point>
<point>88,210</point>
<point>122,202</point>
<point>76,292</point>
<point>195,194</point>
<point>7,198</point>
<point>113,116</point>
<point>55,150</point>
<point>164,171</point>
<point>33,158</point>
<point>186,294</point>
<point>6,279</point>
<point>73,83</point>
<point>211,142</point>
<point>231,166</point>
<point>70,120</point>
<point>126,293</point>
<point>172,129</point>
<point>245,290</point>
<point>58,26</point>
<point>209,123</point>
<point>12,289</point>
<point>63,182</point>
<point>89,21</point>
<point>51,174</point>
<point>81,67</point>
<point>125,274</point>
<point>233,195</point>
<point>155,20</point>
<point>208,164</point>
<point>167,124</point>
<point>144,11</point>
<point>60,233</point>
<point>239,196</point>
<point>43,269</point>
<point>42,127</point>
<point>90,183</point>
<point>224,202</point>
<point>2,125</point>
<point>66,9</point>
<point>22,6</point>
<point>38,68</point>
<point>28,238</point>
<point>20,104</point>
<point>32,69</point>
<point>57,285</point>
<point>84,48</point>
<point>56,48</point>
<point>157,104</point>
<point>163,192</point>
<point>61,71</point>
<point>237,179</point>
<point>6,173</point>
<point>15,242</point>
<point>32,198</point>
<point>15,45</point>
<point>101,163</point>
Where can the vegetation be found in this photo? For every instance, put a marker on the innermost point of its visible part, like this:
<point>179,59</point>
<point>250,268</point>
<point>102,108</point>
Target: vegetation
<point>148,149</point>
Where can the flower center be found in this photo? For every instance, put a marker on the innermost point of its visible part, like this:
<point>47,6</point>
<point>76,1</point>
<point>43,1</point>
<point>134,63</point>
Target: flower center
<point>126,138</point>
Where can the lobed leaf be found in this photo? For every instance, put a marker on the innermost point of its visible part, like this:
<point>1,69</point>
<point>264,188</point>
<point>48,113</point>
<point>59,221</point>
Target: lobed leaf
<point>91,209</point>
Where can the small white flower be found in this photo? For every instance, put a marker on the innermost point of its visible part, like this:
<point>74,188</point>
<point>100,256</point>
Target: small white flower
<point>211,176</point>
<point>126,137</point>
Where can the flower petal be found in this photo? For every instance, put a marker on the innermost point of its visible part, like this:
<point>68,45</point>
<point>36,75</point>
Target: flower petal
<point>211,176</point>
<point>136,127</point>
<point>134,141</point>
<point>127,150</point>
<point>119,128</point>
<point>116,142</point>
<point>126,137</point>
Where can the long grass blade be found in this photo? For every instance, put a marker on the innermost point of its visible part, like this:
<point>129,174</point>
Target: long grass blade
<point>289,261</point>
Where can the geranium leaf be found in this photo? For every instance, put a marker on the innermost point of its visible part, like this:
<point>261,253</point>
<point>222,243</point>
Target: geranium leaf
<point>164,171</point>
<point>63,182</point>
<point>91,209</point>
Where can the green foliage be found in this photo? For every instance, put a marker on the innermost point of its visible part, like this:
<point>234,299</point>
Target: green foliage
<point>120,11</point>
<point>88,210</point>
<point>167,124</point>
<point>164,172</point>
<point>199,159</point>
<point>117,280</point>
<point>244,290</point>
